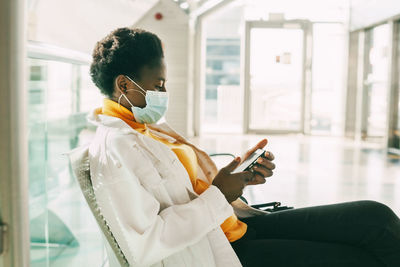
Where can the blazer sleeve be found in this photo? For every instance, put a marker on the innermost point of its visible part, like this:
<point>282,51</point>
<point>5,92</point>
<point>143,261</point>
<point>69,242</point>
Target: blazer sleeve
<point>145,234</point>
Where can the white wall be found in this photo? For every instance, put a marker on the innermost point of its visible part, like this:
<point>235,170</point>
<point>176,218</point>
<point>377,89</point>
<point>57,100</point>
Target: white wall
<point>173,30</point>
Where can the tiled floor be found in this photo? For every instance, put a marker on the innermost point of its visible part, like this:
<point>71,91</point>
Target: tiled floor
<point>317,170</point>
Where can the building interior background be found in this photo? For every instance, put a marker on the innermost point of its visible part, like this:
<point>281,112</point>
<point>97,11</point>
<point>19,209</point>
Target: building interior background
<point>318,79</point>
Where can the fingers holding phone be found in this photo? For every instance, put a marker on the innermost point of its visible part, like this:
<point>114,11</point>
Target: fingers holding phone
<point>263,168</point>
<point>232,184</point>
<point>253,170</point>
<point>260,145</point>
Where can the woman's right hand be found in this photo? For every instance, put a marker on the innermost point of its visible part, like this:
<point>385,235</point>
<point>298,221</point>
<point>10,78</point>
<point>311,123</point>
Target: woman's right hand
<point>231,185</point>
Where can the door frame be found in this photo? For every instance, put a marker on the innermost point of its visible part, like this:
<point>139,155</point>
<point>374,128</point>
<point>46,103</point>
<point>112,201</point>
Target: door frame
<point>391,95</point>
<point>306,86</point>
<point>394,89</point>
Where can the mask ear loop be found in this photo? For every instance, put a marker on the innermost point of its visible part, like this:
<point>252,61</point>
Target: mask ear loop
<point>143,91</point>
<point>119,100</point>
<point>137,91</point>
<point>123,95</point>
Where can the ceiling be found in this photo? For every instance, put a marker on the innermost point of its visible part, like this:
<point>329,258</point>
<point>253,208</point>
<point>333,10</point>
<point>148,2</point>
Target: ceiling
<point>77,24</point>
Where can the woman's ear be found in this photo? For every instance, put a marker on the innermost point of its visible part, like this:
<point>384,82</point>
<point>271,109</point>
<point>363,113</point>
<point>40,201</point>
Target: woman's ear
<point>121,83</point>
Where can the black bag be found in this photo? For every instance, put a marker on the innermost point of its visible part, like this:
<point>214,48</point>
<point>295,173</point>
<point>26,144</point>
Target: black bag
<point>275,206</point>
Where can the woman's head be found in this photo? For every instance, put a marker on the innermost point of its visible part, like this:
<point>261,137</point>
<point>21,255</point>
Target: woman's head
<point>132,53</point>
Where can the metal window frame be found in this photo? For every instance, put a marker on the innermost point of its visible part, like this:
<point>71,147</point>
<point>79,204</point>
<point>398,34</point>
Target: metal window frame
<point>364,87</point>
<point>306,85</point>
<point>43,51</point>
<point>360,85</point>
<point>351,86</point>
<point>47,52</point>
<point>394,88</point>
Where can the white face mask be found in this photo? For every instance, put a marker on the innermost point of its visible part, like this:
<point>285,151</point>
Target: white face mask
<point>156,105</point>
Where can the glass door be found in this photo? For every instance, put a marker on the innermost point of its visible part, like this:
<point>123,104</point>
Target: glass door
<point>328,63</point>
<point>274,80</point>
<point>394,101</point>
<point>63,231</point>
<point>376,82</point>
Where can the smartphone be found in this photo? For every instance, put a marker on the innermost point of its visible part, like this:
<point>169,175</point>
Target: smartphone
<point>250,161</point>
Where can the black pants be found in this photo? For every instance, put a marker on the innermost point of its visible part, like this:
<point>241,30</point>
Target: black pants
<point>362,233</point>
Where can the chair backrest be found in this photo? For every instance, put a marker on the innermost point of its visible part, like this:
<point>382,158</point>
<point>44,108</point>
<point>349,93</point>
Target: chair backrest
<point>79,162</point>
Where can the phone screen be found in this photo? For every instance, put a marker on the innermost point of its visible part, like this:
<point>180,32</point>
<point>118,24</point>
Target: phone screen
<point>253,157</point>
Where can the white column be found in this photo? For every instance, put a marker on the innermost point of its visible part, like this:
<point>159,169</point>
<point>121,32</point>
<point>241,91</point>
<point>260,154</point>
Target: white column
<point>13,133</point>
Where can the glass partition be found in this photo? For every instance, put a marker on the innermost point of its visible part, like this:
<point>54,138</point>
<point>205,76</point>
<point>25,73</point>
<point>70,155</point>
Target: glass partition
<point>63,230</point>
<point>222,94</point>
<point>327,105</point>
<point>223,104</point>
<point>376,81</point>
<point>396,131</point>
<point>396,144</point>
<point>276,79</point>
<point>222,109</point>
<point>394,124</point>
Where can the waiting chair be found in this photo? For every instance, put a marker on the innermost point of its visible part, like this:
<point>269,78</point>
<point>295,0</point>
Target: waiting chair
<point>79,162</point>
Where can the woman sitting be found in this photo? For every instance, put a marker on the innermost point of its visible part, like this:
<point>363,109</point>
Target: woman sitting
<point>168,205</point>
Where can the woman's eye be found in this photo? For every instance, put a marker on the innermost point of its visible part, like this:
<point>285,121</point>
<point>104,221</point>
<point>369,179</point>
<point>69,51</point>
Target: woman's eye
<point>159,88</point>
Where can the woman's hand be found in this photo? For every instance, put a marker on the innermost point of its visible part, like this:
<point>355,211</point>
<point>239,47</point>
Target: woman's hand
<point>264,167</point>
<point>231,185</point>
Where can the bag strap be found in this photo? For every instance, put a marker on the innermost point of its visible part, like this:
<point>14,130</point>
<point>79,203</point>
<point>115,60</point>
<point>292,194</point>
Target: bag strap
<point>276,206</point>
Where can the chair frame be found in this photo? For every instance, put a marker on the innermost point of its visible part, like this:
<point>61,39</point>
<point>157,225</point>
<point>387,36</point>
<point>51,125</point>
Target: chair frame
<point>79,163</point>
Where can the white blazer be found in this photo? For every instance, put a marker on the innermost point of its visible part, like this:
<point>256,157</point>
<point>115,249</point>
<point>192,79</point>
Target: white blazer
<point>146,196</point>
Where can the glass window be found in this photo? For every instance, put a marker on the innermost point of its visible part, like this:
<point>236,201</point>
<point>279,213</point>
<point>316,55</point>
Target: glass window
<point>63,230</point>
<point>397,129</point>
<point>276,72</point>
<point>220,47</point>
<point>395,132</point>
<point>327,110</point>
<point>89,96</point>
<point>222,84</point>
<point>222,103</point>
<point>376,81</point>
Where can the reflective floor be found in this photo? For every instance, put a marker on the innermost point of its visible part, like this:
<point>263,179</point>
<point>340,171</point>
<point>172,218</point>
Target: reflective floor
<point>317,170</point>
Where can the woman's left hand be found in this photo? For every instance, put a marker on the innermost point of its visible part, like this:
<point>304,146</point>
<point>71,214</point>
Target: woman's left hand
<point>264,167</point>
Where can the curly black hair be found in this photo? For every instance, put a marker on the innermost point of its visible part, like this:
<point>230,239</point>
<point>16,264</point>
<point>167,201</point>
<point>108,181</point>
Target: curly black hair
<point>124,51</point>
